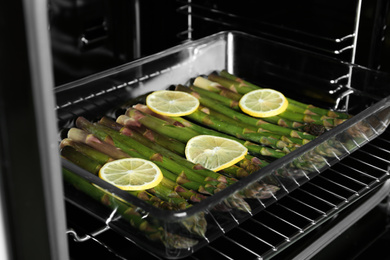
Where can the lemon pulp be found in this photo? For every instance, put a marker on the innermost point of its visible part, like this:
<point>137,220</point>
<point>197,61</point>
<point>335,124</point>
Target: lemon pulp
<point>131,174</point>
<point>263,103</point>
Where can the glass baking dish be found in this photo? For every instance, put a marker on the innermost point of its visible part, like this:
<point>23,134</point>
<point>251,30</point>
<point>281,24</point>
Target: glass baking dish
<point>301,75</point>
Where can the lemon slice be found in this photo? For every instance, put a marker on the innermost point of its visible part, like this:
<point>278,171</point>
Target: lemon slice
<point>213,152</point>
<point>172,103</point>
<point>263,103</point>
<point>131,174</point>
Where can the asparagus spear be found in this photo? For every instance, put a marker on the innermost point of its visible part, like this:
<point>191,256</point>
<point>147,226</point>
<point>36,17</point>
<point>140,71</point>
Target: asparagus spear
<point>309,109</point>
<point>169,143</point>
<point>265,126</point>
<point>234,85</point>
<point>174,145</point>
<point>189,195</point>
<point>86,159</point>
<point>178,126</point>
<point>199,169</point>
<point>178,147</point>
<point>325,121</point>
<point>294,117</point>
<point>153,200</point>
<point>128,145</point>
<point>250,192</point>
<point>100,157</point>
<point>251,163</point>
<point>110,152</point>
<point>235,172</point>
<point>80,159</point>
<point>170,196</point>
<point>225,99</point>
<point>82,136</point>
<point>237,203</point>
<point>129,214</point>
<point>235,130</point>
<point>230,121</point>
<point>195,224</point>
<point>114,152</point>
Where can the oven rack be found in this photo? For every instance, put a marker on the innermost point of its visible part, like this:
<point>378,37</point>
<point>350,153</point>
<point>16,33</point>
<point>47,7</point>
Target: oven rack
<point>338,38</point>
<point>274,229</point>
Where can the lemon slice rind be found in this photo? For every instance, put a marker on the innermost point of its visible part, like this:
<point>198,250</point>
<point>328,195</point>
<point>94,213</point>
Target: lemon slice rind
<point>213,152</point>
<point>131,174</point>
<point>172,103</point>
<point>263,103</point>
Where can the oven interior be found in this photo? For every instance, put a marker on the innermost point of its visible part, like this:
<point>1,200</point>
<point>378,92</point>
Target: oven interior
<point>94,36</point>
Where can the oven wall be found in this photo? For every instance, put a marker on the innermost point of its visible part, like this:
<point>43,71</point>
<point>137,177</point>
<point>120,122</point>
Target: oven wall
<point>94,35</point>
<point>90,36</point>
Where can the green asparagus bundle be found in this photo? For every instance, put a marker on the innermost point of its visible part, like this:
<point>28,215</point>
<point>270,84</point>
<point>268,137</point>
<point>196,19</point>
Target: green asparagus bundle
<point>102,158</point>
<point>293,117</point>
<point>324,149</point>
<point>142,133</point>
<point>159,196</point>
<point>165,152</point>
<point>79,137</point>
<point>186,177</point>
<point>183,130</point>
<point>241,86</point>
<point>130,214</point>
<point>261,124</point>
<point>231,171</point>
<point>218,93</point>
<point>175,146</point>
<point>251,163</point>
<point>183,176</point>
<point>237,131</point>
<point>292,142</point>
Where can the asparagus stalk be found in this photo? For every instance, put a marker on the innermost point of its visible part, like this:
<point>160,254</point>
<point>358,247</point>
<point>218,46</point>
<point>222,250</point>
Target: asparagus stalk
<point>309,109</point>
<point>234,85</point>
<point>203,83</point>
<point>234,130</point>
<point>112,151</point>
<point>196,224</point>
<point>230,121</point>
<point>100,157</point>
<point>80,159</point>
<point>251,163</point>
<point>250,192</point>
<point>128,145</point>
<point>186,130</point>
<point>233,103</point>
<point>189,195</point>
<point>177,147</point>
<point>199,90</point>
<point>129,214</point>
<point>170,196</point>
<point>265,126</point>
<point>237,203</point>
<point>199,169</point>
<point>91,159</point>
<point>82,136</point>
<point>169,143</point>
<point>325,121</point>
<point>153,200</point>
<point>235,172</point>
<point>161,126</point>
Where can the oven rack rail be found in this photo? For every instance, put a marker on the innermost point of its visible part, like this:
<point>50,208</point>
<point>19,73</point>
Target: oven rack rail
<point>330,43</point>
<point>285,222</point>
